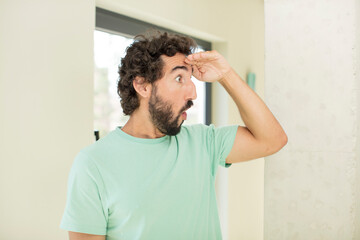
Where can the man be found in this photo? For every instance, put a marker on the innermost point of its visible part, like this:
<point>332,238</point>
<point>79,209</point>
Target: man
<point>154,178</point>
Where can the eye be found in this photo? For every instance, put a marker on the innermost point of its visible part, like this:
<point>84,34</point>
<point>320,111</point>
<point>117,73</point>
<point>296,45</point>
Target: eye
<point>178,79</point>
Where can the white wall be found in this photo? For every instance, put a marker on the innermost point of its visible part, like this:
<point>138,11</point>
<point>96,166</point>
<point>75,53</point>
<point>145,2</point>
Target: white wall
<point>312,85</point>
<point>244,34</point>
<point>46,73</point>
<point>357,153</point>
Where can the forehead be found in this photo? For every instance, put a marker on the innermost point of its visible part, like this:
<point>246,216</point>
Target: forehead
<point>177,60</point>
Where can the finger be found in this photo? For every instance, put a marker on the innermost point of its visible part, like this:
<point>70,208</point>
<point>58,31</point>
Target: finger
<point>196,73</point>
<point>188,61</point>
<point>197,56</point>
<point>191,62</point>
<point>202,56</point>
<point>194,63</point>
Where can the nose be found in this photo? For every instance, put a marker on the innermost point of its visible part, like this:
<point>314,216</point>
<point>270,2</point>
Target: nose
<point>191,91</point>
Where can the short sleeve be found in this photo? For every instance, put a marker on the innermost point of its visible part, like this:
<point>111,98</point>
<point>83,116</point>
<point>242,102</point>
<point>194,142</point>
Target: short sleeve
<point>220,142</point>
<point>85,209</point>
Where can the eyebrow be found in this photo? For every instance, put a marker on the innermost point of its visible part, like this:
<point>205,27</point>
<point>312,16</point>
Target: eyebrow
<point>181,67</point>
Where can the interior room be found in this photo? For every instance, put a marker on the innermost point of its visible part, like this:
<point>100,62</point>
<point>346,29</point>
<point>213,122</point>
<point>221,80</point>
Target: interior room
<point>301,57</point>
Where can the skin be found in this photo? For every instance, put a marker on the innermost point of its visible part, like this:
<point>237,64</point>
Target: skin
<point>175,88</point>
<point>261,136</point>
<point>163,116</point>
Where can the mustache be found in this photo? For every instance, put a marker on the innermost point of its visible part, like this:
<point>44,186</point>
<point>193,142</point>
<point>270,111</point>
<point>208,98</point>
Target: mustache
<point>187,106</point>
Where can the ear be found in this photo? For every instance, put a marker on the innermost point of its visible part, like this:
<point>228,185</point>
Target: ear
<point>142,87</point>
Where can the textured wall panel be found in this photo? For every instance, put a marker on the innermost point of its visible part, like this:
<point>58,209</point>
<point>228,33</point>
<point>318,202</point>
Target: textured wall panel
<point>312,86</point>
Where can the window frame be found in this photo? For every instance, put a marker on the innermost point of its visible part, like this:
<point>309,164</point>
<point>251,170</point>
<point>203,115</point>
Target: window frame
<point>116,23</point>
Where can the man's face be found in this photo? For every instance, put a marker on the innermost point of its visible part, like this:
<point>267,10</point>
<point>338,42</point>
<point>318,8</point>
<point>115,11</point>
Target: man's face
<point>172,95</point>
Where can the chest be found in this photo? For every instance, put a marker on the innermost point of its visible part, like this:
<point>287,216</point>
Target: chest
<point>156,180</point>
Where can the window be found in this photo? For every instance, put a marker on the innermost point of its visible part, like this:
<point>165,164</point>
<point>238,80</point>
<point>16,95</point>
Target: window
<point>113,34</point>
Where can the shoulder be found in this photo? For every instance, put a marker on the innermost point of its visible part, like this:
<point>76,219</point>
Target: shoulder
<point>103,145</point>
<point>195,130</point>
<point>209,131</point>
<point>91,155</point>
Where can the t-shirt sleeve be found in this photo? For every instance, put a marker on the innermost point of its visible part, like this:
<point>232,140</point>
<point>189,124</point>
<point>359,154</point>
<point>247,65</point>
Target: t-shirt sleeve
<point>85,209</point>
<point>220,142</point>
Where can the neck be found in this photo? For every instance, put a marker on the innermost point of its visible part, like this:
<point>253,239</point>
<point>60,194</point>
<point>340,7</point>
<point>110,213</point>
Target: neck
<point>139,125</point>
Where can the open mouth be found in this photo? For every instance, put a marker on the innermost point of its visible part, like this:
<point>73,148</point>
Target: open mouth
<point>184,115</point>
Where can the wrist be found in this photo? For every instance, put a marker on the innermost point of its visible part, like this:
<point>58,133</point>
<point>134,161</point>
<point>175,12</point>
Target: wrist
<point>227,76</point>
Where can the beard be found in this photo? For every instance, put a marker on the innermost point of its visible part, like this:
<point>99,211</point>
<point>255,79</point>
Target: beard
<point>163,117</point>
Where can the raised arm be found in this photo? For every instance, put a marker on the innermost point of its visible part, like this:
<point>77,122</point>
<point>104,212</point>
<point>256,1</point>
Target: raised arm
<point>262,134</point>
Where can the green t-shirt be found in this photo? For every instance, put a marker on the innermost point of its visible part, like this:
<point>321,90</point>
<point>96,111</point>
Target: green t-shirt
<point>132,188</point>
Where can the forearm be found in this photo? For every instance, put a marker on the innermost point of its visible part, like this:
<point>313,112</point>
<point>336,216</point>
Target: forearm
<point>253,111</point>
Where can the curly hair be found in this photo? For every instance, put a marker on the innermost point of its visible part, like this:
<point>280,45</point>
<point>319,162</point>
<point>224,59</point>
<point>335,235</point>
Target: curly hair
<point>143,59</point>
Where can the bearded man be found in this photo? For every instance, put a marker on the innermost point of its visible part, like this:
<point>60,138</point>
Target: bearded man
<point>154,178</point>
